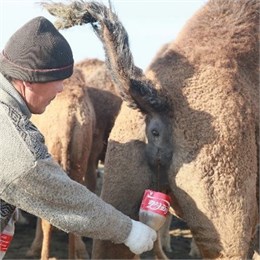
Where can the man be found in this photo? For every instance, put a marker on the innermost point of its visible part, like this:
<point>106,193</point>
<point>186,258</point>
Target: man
<point>33,65</point>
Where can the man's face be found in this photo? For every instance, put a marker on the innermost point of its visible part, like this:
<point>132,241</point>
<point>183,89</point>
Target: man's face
<point>39,95</point>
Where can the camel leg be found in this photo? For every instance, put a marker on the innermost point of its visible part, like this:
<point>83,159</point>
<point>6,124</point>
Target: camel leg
<point>194,250</point>
<point>164,234</point>
<point>158,250</point>
<point>77,248</point>
<point>46,229</point>
<point>35,249</point>
<point>72,254</point>
<point>81,251</point>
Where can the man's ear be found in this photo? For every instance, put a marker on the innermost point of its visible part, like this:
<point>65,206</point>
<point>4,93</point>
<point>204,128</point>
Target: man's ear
<point>27,84</point>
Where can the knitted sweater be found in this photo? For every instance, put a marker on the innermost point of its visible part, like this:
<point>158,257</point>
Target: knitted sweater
<point>31,180</point>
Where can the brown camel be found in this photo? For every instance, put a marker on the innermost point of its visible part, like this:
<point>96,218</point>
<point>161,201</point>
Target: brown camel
<point>210,74</point>
<point>106,103</point>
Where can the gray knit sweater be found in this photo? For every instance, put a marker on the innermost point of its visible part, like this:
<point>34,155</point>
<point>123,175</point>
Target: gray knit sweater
<point>31,180</point>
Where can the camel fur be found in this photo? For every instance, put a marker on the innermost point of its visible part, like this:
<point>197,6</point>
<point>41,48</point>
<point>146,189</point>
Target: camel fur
<point>209,147</point>
<point>106,104</point>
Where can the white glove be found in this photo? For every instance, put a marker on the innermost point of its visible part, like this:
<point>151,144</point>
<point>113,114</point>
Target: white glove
<point>141,238</point>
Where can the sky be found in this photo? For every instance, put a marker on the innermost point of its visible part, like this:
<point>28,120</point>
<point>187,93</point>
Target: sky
<point>150,24</point>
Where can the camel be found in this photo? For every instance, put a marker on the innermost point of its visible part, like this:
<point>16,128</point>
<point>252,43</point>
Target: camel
<point>208,148</point>
<point>106,103</point>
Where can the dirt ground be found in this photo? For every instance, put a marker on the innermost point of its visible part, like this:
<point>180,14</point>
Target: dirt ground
<point>180,241</point>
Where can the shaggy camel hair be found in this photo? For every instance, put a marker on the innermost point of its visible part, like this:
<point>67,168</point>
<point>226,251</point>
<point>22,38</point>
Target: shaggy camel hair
<point>210,74</point>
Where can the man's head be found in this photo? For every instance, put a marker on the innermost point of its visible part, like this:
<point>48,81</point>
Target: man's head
<point>37,55</point>
<point>37,52</point>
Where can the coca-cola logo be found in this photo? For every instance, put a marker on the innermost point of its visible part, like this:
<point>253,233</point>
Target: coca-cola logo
<point>156,205</point>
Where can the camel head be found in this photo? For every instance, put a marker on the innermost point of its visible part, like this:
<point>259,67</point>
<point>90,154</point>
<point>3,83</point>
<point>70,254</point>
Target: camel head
<point>132,85</point>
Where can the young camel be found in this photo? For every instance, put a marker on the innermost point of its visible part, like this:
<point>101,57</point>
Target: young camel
<point>211,76</point>
<point>106,104</point>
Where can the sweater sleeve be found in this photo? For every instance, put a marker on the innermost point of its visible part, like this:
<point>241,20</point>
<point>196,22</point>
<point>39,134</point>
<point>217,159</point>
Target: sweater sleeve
<point>31,180</point>
<point>47,192</point>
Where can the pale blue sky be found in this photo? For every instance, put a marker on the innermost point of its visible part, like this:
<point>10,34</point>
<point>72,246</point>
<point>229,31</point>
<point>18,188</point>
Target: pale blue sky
<point>149,24</point>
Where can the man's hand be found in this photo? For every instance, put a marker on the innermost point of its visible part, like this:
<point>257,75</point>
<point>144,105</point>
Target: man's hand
<point>141,238</point>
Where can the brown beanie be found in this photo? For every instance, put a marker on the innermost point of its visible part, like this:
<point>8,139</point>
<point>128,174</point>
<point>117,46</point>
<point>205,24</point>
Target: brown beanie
<point>37,52</point>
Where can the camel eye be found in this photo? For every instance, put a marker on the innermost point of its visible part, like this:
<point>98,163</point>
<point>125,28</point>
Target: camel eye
<point>155,133</point>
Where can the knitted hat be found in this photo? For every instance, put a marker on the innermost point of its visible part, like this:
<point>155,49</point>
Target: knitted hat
<point>37,52</point>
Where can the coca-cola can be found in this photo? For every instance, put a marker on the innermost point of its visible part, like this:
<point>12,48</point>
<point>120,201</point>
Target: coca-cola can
<point>154,208</point>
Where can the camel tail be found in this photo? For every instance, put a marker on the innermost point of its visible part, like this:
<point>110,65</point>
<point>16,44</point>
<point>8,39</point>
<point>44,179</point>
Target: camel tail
<point>132,85</point>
